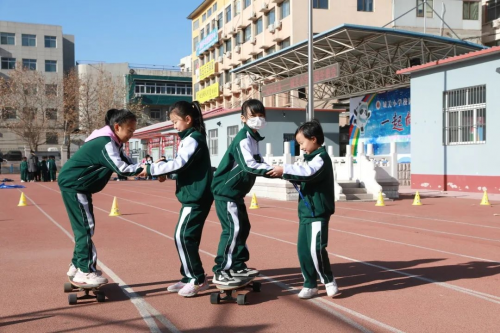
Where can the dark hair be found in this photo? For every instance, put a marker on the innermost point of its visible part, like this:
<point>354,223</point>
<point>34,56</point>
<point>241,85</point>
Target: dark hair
<point>115,116</point>
<point>254,105</point>
<point>312,129</point>
<point>184,109</point>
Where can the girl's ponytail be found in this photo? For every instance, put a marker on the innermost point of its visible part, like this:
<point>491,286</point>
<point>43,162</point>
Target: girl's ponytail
<point>184,109</point>
<point>198,120</point>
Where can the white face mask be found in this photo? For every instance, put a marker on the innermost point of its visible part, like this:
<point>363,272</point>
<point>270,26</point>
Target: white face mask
<point>256,122</point>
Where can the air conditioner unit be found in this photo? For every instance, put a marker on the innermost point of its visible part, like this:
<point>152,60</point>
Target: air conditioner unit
<point>253,41</point>
<point>228,54</point>
<point>237,81</point>
<point>237,49</point>
<point>278,25</point>
<point>219,59</point>
<point>496,23</point>
<point>234,31</point>
<point>271,28</point>
<point>228,85</point>
<point>253,16</point>
<point>263,7</point>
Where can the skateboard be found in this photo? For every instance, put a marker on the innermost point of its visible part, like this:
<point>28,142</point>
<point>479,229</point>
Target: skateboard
<point>227,292</point>
<point>76,287</point>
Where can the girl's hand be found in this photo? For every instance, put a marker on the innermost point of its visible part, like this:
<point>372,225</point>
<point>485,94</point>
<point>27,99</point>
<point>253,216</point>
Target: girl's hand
<point>277,171</point>
<point>161,179</point>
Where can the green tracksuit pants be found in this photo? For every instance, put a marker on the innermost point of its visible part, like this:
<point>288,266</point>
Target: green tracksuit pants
<point>24,175</point>
<point>313,257</point>
<point>81,215</point>
<point>187,240</point>
<point>52,175</point>
<point>232,252</point>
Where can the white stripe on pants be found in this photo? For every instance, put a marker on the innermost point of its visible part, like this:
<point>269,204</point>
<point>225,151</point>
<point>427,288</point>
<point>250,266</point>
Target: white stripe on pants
<point>232,209</point>
<point>186,211</point>
<point>82,199</point>
<point>315,230</point>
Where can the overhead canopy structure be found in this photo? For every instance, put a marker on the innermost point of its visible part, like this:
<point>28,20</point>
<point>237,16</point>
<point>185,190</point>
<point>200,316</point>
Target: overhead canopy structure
<point>367,57</point>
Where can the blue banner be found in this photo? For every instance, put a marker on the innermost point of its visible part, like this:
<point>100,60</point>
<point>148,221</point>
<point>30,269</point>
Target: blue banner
<point>207,42</point>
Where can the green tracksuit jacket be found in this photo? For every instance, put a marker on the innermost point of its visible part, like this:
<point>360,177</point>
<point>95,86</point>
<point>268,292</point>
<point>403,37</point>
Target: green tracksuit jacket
<point>89,169</point>
<point>316,184</point>
<point>193,168</point>
<point>239,167</point>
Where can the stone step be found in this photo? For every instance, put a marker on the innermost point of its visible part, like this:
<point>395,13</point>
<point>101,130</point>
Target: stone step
<point>354,190</point>
<point>358,197</point>
<point>350,185</point>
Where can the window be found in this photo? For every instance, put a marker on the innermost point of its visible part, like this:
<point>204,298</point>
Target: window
<point>231,134</point>
<point>320,4</point>
<point>258,26</point>
<point>209,12</point>
<point>228,45</point>
<point>162,88</point>
<point>247,3</point>
<point>271,50</point>
<point>260,55</point>
<point>28,40</point>
<point>6,38</point>
<point>365,5</point>
<point>195,42</point>
<point>29,64</point>
<point>492,10</point>
<point>464,116</point>
<point>237,7</point>
<point>51,138</point>
<point>239,38</point>
<point>202,34</point>
<point>51,90</point>
<point>271,17</point>
<point>30,89</point>
<point>221,50</point>
<point>285,43</point>
<point>207,29</point>
<point>228,14</point>
<point>428,8</point>
<point>196,24</point>
<point>155,113</point>
<point>50,65</point>
<point>9,113</point>
<point>285,9</point>
<point>51,114</point>
<point>8,63</point>
<point>50,41</point>
<point>203,17</point>
<point>471,10</point>
<point>227,76</point>
<point>214,8</point>
<point>219,21</point>
<point>213,142</point>
<point>247,33</point>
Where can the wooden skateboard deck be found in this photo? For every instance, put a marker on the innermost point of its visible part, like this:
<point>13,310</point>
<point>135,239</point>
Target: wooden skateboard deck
<point>227,292</point>
<point>72,286</point>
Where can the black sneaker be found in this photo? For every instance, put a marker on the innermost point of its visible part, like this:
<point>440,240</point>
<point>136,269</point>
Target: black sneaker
<point>245,272</point>
<point>224,278</point>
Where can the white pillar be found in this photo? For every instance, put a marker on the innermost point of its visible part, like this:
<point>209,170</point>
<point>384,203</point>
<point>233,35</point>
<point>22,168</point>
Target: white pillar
<point>269,151</point>
<point>330,150</point>
<point>349,162</point>
<point>361,149</point>
<point>394,160</point>
<point>369,149</point>
<point>287,157</point>
<point>64,154</point>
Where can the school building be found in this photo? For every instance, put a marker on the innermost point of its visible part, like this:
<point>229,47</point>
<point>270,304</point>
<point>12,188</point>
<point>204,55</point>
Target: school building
<point>454,115</point>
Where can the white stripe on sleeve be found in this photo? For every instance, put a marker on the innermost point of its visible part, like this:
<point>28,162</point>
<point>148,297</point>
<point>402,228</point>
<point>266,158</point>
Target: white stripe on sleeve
<point>307,170</point>
<point>186,151</point>
<point>248,156</point>
<point>115,160</point>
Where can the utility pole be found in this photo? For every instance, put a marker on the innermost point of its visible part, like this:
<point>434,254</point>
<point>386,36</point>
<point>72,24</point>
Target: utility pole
<point>310,97</point>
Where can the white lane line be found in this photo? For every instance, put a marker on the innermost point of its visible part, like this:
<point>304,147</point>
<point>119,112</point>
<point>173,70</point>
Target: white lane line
<point>144,308</point>
<point>488,297</point>
<point>317,302</point>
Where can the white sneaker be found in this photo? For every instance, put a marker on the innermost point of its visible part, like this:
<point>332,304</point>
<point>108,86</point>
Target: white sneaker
<point>22,181</point>
<point>308,292</point>
<point>192,289</point>
<point>176,287</point>
<point>72,270</point>
<point>331,288</point>
<point>93,278</point>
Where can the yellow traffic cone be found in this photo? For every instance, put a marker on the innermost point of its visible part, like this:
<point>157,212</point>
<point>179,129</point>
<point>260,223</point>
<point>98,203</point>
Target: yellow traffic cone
<point>380,200</point>
<point>416,201</point>
<point>484,201</point>
<point>115,211</point>
<point>22,200</point>
<point>254,204</point>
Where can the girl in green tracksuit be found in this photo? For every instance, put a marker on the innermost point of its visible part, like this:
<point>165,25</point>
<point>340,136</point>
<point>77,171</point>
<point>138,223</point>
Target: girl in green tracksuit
<point>234,178</point>
<point>194,177</point>
<point>316,205</point>
<point>24,170</point>
<point>87,172</point>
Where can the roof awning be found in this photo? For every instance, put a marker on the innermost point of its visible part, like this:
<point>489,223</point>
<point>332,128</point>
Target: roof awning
<point>368,59</point>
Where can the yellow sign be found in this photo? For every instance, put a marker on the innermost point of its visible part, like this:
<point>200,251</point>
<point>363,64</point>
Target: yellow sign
<point>208,93</point>
<point>207,70</point>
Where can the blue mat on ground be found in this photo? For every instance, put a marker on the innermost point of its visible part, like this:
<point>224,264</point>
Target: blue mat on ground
<point>10,186</point>
<point>6,180</point>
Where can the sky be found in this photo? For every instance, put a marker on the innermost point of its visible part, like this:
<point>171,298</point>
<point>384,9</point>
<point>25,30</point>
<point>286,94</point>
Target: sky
<point>153,32</point>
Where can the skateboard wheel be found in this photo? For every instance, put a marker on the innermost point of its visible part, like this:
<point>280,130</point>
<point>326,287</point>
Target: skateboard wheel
<point>68,287</point>
<point>241,299</point>
<point>72,299</point>
<point>256,286</point>
<point>215,298</point>
<point>100,296</point>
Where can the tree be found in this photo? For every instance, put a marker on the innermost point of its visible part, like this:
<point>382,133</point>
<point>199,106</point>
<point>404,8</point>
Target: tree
<point>71,95</point>
<point>29,102</point>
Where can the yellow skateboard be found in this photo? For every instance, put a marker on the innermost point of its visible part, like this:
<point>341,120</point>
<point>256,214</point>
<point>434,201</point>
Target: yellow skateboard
<point>87,288</point>
<point>227,292</point>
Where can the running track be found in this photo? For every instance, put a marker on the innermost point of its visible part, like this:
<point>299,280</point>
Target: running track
<point>400,268</point>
